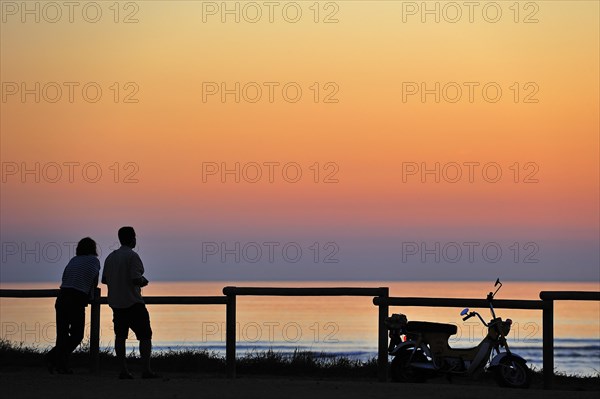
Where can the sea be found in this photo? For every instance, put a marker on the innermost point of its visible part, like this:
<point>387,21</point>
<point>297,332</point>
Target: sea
<point>327,326</point>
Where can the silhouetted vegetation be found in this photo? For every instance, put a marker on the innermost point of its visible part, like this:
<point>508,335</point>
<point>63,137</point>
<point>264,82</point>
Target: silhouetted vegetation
<point>197,360</point>
<point>15,357</point>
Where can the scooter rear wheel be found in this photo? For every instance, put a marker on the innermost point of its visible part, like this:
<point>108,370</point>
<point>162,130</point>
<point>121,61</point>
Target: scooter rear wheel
<point>402,372</point>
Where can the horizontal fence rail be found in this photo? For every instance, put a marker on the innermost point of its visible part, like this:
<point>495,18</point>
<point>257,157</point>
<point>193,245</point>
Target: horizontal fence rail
<point>4,293</point>
<point>570,295</point>
<point>316,291</point>
<point>149,300</point>
<point>180,300</point>
<point>459,302</point>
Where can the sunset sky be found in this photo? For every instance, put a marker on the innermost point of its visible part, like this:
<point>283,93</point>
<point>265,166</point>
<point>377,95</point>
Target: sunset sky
<point>364,137</point>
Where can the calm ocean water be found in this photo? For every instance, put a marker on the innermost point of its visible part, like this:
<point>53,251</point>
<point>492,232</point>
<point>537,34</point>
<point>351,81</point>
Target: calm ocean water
<point>329,325</point>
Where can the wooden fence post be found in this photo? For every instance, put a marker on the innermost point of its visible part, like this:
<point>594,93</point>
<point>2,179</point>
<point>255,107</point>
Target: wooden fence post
<point>230,336</point>
<point>548,342</point>
<point>95,332</point>
<point>382,345</point>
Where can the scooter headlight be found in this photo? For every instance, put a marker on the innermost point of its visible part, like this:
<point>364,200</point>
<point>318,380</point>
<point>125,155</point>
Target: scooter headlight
<point>506,327</point>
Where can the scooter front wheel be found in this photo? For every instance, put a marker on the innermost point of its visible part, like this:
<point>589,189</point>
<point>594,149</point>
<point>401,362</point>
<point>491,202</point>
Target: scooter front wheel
<point>400,368</point>
<point>513,373</point>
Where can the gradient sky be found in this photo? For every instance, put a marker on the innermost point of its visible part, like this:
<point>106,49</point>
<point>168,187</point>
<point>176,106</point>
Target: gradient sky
<point>373,216</point>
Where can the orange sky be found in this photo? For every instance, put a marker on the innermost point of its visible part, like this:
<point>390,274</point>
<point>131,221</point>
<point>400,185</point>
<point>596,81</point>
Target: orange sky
<point>367,58</point>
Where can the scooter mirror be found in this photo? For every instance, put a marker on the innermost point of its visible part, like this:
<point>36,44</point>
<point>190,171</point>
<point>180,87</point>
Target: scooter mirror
<point>464,311</point>
<point>497,282</point>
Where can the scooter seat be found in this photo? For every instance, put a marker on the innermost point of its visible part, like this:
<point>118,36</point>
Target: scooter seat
<point>428,327</point>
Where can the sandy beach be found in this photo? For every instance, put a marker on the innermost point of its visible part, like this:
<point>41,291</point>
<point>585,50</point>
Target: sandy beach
<point>36,383</point>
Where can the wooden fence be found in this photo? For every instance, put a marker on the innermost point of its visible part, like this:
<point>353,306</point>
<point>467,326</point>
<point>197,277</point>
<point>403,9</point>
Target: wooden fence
<point>548,298</point>
<point>380,292</point>
<point>95,312</point>
<point>381,299</point>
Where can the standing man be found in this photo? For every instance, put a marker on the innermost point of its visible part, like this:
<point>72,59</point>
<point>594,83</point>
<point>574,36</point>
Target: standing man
<point>124,275</point>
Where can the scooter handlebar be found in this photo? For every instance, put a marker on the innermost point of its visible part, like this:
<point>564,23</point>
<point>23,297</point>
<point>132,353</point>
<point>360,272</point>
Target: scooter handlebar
<point>467,317</point>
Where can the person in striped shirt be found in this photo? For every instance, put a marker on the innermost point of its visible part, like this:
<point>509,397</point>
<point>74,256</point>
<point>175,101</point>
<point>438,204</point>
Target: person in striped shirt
<point>79,280</point>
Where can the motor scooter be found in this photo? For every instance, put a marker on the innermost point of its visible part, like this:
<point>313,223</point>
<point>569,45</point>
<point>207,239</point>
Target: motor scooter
<point>420,350</point>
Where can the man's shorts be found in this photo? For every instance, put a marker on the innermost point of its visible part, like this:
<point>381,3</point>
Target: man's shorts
<point>135,317</point>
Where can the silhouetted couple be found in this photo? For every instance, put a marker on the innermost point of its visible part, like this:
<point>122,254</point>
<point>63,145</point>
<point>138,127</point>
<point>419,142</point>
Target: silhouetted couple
<point>124,275</point>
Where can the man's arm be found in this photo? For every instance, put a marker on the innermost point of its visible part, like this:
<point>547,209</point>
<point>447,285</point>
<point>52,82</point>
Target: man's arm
<point>104,274</point>
<point>141,282</point>
<point>137,272</point>
<point>93,290</point>
<point>95,281</point>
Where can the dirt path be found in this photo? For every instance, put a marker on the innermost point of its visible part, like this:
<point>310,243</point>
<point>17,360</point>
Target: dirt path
<point>39,384</point>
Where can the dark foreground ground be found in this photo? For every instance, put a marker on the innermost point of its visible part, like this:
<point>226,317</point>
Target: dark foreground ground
<point>37,383</point>
<point>264,375</point>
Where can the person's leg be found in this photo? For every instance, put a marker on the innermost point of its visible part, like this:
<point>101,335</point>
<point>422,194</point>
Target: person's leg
<point>62,335</point>
<point>52,356</point>
<point>121,355</point>
<point>121,328</point>
<point>146,353</point>
<point>76,326</point>
<point>140,324</point>
<point>50,360</point>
